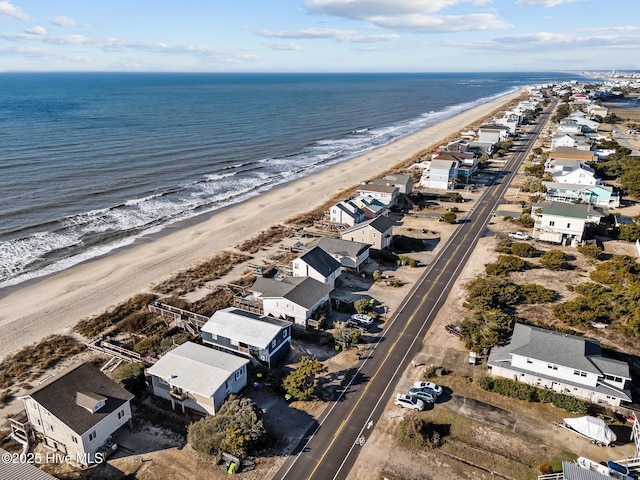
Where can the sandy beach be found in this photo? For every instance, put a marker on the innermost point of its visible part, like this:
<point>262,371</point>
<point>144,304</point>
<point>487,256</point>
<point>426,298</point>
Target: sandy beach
<point>57,302</point>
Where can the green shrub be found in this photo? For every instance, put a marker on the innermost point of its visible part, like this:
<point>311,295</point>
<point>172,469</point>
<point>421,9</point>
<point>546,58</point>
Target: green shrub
<point>506,264</point>
<point>553,260</point>
<point>449,217</point>
<point>591,251</point>
<point>131,376</point>
<point>301,383</point>
<point>362,305</point>
<point>525,220</point>
<point>383,255</point>
<point>531,293</point>
<point>402,243</point>
<point>523,249</point>
<point>416,432</point>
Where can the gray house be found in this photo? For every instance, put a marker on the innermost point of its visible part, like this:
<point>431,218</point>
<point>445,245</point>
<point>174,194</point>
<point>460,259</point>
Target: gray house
<point>198,377</point>
<point>564,363</point>
<point>351,255</point>
<point>243,333</point>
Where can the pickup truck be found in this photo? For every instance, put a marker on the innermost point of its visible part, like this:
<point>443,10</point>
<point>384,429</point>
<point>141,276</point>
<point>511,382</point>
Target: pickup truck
<point>519,236</point>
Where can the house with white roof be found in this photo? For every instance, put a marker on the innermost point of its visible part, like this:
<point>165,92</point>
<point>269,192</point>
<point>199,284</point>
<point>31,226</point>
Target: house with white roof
<point>346,213</point>
<point>351,255</point>
<point>317,264</point>
<point>259,337</point>
<point>377,232</point>
<point>563,363</point>
<point>563,140</point>
<point>441,175</point>
<point>563,222</point>
<point>493,133</point>
<point>77,412</point>
<point>579,174</point>
<point>198,377</point>
<point>387,194</point>
<point>294,299</point>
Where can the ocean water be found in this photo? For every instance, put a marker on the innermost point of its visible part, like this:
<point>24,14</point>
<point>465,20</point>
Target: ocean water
<point>91,161</point>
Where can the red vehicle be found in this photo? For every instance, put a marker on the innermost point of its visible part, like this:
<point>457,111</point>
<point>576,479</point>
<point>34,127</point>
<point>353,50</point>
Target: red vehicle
<point>455,330</point>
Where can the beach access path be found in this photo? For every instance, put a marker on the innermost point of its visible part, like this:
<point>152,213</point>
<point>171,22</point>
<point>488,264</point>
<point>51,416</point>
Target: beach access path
<point>54,304</point>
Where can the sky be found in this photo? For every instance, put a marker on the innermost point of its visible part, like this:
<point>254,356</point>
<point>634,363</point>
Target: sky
<point>319,35</point>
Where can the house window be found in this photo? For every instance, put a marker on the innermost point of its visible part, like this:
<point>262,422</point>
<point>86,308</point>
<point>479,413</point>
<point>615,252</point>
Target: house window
<point>552,367</point>
<point>39,423</point>
<point>568,225</point>
<point>529,361</point>
<point>121,414</point>
<point>613,379</point>
<point>51,428</point>
<point>74,439</point>
<point>233,342</point>
<point>92,436</point>
<point>239,374</point>
<point>284,333</point>
<point>552,223</point>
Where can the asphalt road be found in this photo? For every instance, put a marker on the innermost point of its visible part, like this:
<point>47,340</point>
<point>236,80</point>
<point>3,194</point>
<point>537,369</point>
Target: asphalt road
<point>331,447</point>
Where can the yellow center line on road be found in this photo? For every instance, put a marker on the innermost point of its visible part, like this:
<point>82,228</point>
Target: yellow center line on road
<point>411,318</point>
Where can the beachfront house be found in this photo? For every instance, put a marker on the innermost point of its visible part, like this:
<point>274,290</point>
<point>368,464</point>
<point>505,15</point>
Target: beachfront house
<point>197,377</point>
<point>404,183</point>
<point>377,232</point>
<point>387,194</point>
<point>371,207</point>
<point>346,213</point>
<point>493,133</point>
<point>258,337</point>
<point>295,299</point>
<point>467,162</point>
<point>563,363</point>
<point>78,411</point>
<point>351,255</point>
<point>441,175</point>
<point>563,222</point>
<point>598,195</point>
<point>317,264</point>
<point>480,148</point>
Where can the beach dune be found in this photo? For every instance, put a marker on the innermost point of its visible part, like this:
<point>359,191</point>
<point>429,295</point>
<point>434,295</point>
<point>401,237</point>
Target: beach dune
<point>55,303</point>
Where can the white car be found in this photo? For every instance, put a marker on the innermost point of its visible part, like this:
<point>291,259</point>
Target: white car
<point>364,320</point>
<point>435,388</point>
<point>519,236</point>
<point>424,394</point>
<point>405,401</point>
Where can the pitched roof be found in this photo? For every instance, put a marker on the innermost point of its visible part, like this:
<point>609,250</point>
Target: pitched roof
<point>320,261</point>
<point>246,327</point>
<point>560,349</point>
<point>304,291</point>
<point>21,470</point>
<point>59,396</point>
<point>338,246</point>
<point>380,224</point>
<point>196,368</point>
<point>372,187</point>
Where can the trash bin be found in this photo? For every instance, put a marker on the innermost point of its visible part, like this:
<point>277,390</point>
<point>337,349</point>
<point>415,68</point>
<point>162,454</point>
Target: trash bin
<point>358,356</point>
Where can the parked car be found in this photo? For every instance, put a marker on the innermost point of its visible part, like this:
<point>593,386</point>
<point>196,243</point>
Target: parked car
<point>405,401</point>
<point>437,389</point>
<point>352,323</point>
<point>364,320</point>
<point>424,394</point>
<point>519,236</point>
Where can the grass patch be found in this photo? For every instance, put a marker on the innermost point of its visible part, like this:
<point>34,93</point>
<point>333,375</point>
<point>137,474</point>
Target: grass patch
<point>91,327</point>
<point>265,238</point>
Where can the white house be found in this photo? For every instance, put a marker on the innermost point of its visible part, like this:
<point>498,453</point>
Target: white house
<point>295,299</point>
<point>493,133</point>
<point>198,377</point>
<point>563,222</point>
<point>78,411</point>
<point>317,264</point>
<point>387,194</point>
<point>346,213</point>
<point>351,255</point>
<point>563,140</point>
<point>570,126</point>
<point>377,232</point>
<point>441,175</point>
<point>579,174</point>
<point>564,363</point>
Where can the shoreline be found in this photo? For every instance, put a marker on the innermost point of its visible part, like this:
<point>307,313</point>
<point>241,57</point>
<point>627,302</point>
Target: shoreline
<point>56,302</point>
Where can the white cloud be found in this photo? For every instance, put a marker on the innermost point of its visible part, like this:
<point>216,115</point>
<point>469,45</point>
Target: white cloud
<point>62,21</point>
<point>36,30</point>
<point>283,46</point>
<point>9,10</point>
<point>545,42</point>
<point>364,9</point>
<point>346,36</point>
<point>543,3</point>
<point>441,23</point>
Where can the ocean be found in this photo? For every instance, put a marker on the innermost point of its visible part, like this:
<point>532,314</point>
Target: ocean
<point>90,162</point>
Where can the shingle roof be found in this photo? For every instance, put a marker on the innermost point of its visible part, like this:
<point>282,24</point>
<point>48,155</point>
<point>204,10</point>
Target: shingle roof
<point>246,327</point>
<point>380,224</point>
<point>58,396</point>
<point>21,470</point>
<point>320,261</point>
<point>304,291</point>
<point>344,248</point>
<point>370,187</point>
<point>196,368</point>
